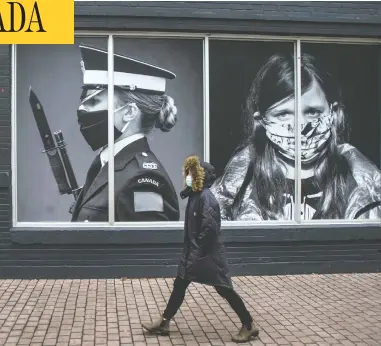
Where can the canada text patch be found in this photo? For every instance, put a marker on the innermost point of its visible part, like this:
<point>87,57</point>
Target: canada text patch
<point>148,181</point>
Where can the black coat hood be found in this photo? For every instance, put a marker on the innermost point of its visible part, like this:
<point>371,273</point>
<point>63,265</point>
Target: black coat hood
<point>209,174</point>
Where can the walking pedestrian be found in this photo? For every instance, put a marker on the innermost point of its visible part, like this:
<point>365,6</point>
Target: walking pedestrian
<point>203,259</point>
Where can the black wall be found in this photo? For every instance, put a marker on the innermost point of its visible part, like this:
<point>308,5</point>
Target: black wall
<point>60,253</point>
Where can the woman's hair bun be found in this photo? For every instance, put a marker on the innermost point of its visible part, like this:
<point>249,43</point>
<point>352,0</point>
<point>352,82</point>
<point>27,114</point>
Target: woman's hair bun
<point>168,114</point>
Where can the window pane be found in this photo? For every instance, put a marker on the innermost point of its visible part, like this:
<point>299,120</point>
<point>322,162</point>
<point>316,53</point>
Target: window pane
<point>252,117</point>
<point>158,121</point>
<point>54,74</point>
<point>341,112</point>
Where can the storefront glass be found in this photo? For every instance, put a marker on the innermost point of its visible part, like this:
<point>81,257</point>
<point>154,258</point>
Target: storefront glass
<point>230,101</point>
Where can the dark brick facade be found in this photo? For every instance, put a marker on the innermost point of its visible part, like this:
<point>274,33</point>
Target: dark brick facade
<point>113,253</point>
<point>283,18</point>
<point>5,144</point>
<point>306,11</point>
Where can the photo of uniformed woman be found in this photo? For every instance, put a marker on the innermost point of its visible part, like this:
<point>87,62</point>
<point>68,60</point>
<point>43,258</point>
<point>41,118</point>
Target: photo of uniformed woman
<point>154,109</point>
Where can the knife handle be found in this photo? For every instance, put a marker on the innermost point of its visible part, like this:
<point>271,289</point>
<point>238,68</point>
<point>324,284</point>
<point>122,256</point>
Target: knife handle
<point>58,171</point>
<point>71,179</point>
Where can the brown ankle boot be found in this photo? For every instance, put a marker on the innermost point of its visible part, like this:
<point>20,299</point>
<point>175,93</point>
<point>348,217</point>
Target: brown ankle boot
<point>245,334</point>
<point>159,326</point>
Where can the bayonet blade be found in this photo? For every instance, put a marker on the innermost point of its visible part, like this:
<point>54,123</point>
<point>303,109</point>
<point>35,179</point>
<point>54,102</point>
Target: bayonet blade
<point>55,160</point>
<point>42,123</point>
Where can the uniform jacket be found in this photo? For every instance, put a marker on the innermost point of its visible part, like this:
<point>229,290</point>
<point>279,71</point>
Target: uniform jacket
<point>363,189</point>
<point>143,189</point>
<point>203,259</point>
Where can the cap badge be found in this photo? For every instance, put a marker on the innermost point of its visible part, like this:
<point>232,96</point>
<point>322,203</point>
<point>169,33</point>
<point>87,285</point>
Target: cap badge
<point>83,66</point>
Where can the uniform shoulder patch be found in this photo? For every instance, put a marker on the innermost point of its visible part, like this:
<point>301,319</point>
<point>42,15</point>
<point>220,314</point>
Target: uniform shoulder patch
<point>148,202</point>
<point>149,165</point>
<point>146,162</point>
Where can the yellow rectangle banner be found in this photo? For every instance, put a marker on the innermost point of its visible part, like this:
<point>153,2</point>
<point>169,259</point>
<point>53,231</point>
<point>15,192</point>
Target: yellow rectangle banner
<point>37,22</point>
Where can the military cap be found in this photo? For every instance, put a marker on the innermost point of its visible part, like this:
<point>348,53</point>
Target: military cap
<point>129,73</point>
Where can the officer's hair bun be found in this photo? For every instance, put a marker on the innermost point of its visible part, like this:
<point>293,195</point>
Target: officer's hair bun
<point>158,111</point>
<point>167,115</point>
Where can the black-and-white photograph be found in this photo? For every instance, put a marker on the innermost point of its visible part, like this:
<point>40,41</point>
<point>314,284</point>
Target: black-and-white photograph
<point>340,105</point>
<point>62,169</point>
<point>161,122</point>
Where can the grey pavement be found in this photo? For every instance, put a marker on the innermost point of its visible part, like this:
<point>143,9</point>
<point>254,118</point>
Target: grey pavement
<point>339,309</point>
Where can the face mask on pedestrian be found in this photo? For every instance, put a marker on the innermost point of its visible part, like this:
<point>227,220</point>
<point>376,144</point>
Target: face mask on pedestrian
<point>94,127</point>
<point>188,181</point>
<point>314,135</point>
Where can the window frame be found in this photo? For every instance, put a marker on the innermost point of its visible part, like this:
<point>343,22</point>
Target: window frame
<point>206,38</point>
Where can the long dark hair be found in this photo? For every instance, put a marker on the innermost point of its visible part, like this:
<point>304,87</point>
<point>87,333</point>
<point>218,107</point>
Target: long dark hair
<point>275,82</point>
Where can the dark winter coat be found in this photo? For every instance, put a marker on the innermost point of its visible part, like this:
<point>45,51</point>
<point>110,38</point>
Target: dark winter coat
<point>203,259</point>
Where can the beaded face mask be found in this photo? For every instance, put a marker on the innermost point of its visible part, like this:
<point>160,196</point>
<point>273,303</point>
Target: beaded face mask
<point>314,135</point>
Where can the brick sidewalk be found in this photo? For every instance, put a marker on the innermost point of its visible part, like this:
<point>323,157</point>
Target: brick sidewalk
<point>290,310</point>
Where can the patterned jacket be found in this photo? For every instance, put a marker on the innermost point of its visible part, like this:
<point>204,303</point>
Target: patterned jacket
<point>364,201</point>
